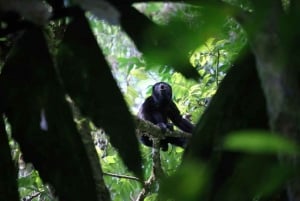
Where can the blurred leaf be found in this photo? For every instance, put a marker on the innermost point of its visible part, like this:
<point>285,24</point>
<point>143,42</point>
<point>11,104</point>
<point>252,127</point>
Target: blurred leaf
<point>259,142</point>
<point>89,82</point>
<point>254,176</point>
<point>131,94</point>
<point>42,123</point>
<point>26,182</point>
<point>273,179</point>
<point>127,61</point>
<point>188,183</point>
<point>152,197</point>
<point>159,44</point>
<point>139,73</point>
<point>110,159</point>
<point>169,50</point>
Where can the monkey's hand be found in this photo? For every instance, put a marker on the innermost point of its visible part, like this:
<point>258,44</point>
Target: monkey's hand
<point>163,127</point>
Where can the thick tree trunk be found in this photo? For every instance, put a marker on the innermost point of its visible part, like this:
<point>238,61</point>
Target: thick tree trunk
<point>278,68</point>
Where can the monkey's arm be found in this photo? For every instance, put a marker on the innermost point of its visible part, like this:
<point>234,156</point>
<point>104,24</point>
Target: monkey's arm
<point>178,120</point>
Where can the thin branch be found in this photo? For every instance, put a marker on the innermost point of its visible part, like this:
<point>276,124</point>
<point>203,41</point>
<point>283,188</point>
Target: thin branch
<point>122,176</point>
<point>33,196</point>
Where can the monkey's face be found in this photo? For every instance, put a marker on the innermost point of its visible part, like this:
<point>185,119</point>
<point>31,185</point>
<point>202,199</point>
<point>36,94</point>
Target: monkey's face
<point>162,93</point>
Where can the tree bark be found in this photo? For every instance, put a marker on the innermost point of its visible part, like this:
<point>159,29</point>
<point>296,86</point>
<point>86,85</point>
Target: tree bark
<point>278,68</point>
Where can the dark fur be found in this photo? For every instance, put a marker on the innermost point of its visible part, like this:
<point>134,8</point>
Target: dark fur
<point>159,109</point>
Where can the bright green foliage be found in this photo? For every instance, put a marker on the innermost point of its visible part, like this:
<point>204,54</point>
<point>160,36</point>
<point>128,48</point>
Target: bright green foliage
<point>120,188</point>
<point>212,60</point>
<point>32,186</point>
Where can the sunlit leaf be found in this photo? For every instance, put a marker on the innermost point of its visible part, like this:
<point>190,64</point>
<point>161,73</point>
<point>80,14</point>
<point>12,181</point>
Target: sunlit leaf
<point>152,197</point>
<point>110,159</point>
<point>139,73</point>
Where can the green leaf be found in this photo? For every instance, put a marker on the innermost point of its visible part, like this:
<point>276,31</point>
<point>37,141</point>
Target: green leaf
<point>188,183</point>
<point>139,73</point>
<point>110,159</point>
<point>254,176</point>
<point>259,142</point>
<point>89,82</point>
<point>152,197</point>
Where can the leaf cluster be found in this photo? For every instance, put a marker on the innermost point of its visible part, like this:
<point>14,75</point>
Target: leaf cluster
<point>237,100</point>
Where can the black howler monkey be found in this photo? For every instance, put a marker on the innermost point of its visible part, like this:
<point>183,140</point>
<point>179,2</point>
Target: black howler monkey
<point>159,109</point>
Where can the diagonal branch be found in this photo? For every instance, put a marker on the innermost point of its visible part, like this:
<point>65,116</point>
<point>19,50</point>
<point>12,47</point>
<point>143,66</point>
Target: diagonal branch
<point>147,128</point>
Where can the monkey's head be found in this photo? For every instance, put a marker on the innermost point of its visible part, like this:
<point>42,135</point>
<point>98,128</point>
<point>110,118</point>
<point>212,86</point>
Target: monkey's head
<point>162,93</point>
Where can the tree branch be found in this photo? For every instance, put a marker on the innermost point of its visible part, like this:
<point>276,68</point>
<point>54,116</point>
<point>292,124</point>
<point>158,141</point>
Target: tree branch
<point>122,176</point>
<point>147,128</point>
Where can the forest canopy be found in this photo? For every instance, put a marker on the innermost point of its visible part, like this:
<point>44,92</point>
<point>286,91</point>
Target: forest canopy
<point>73,75</point>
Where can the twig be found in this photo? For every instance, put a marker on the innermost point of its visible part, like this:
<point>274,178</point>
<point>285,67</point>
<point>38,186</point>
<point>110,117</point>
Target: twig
<point>33,196</point>
<point>122,176</point>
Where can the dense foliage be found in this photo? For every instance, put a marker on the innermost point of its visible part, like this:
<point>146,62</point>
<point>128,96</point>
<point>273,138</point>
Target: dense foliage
<point>73,76</point>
